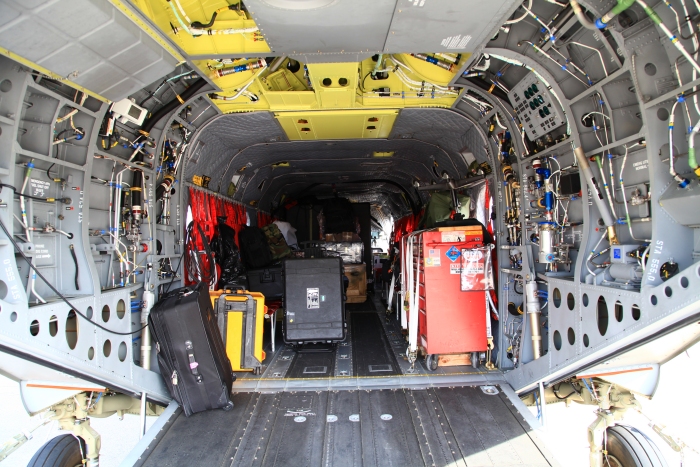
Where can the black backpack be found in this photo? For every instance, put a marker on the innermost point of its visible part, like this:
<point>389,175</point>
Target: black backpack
<point>339,216</point>
<point>254,249</point>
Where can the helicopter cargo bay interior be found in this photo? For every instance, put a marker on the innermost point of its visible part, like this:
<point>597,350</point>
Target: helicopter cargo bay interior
<point>508,192</point>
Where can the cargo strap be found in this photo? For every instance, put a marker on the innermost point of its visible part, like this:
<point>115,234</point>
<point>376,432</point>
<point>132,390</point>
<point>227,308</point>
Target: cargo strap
<point>193,362</point>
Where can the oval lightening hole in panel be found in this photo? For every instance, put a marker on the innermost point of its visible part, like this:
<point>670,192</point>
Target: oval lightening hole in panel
<point>121,309</point>
<point>34,328</point>
<point>556,338</point>
<point>619,312</point>
<point>636,312</point>
<point>570,301</point>
<point>107,348</point>
<point>105,313</point>
<point>121,352</point>
<point>53,325</point>
<point>72,329</point>
<point>556,297</point>
<point>602,315</point>
<point>571,336</point>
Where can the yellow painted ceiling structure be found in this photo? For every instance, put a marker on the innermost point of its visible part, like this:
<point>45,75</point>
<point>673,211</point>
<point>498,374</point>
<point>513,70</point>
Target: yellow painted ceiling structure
<point>336,100</point>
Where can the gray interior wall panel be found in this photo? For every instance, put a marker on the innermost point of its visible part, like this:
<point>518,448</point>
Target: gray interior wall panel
<point>451,26</point>
<point>89,41</point>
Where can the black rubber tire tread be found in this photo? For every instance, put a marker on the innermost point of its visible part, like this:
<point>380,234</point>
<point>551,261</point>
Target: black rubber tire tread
<point>61,451</point>
<point>633,448</point>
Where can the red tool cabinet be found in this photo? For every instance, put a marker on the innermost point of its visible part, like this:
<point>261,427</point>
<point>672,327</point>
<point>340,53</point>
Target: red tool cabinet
<point>450,320</point>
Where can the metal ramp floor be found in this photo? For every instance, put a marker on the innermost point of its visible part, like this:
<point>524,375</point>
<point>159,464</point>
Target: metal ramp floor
<point>450,426</point>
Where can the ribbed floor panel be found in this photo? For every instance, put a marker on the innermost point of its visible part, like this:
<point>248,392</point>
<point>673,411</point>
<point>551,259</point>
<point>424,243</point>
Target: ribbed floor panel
<point>434,427</point>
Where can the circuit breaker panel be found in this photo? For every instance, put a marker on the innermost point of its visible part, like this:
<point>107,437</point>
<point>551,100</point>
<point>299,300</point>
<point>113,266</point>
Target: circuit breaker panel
<point>535,106</point>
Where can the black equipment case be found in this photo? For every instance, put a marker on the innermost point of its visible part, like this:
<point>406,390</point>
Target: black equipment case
<point>313,300</point>
<point>268,281</point>
<point>191,353</point>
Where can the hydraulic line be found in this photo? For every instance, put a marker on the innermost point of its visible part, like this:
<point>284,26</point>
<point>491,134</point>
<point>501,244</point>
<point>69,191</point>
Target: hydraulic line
<point>621,6</point>
<point>606,187</point>
<point>682,182</point>
<point>240,91</point>
<point>559,65</point>
<point>624,196</point>
<point>581,16</point>
<point>692,161</point>
<point>23,208</point>
<point>597,196</point>
<point>537,18</point>
<point>674,40</point>
<point>517,20</point>
<point>441,63</point>
<point>696,46</point>
<point>605,70</point>
<point>239,68</point>
<point>590,255</point>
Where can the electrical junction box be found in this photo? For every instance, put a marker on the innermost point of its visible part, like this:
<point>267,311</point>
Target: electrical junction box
<point>127,111</point>
<point>620,254</point>
<point>535,106</point>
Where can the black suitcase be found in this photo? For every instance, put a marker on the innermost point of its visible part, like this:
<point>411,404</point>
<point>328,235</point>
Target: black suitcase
<point>191,354</point>
<point>313,300</point>
<point>268,281</point>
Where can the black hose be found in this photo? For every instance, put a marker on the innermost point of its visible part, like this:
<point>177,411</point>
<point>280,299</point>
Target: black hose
<point>198,25</point>
<point>75,260</point>
<point>136,188</point>
<point>172,105</point>
<point>490,88</point>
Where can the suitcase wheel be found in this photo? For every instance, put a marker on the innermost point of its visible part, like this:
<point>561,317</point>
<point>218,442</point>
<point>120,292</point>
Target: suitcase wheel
<point>228,406</point>
<point>431,361</point>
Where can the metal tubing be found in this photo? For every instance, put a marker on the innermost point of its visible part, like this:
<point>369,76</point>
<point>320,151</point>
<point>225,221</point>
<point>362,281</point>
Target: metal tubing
<point>598,199</point>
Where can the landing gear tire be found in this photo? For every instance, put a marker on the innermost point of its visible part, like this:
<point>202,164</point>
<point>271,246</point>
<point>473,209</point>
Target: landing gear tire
<point>61,451</point>
<point>431,361</point>
<point>629,447</point>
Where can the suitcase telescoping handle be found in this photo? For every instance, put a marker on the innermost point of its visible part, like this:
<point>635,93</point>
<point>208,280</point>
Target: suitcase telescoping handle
<point>193,362</point>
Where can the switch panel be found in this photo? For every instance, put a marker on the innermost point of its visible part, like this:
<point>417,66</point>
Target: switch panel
<point>537,109</point>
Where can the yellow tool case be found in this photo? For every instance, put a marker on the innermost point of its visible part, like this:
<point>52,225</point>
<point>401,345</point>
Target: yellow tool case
<point>240,317</point>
